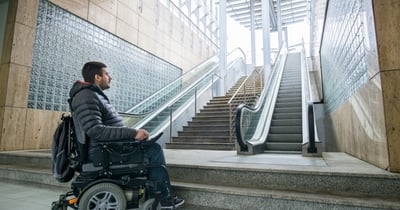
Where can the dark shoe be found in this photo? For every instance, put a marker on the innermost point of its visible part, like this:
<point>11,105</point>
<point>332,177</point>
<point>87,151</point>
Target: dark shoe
<point>171,202</point>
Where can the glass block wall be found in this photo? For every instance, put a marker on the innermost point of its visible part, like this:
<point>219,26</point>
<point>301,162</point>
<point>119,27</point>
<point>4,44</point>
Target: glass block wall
<point>343,60</point>
<point>65,42</point>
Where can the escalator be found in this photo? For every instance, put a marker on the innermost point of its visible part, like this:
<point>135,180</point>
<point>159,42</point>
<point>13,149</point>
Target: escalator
<point>175,104</point>
<point>285,133</point>
<point>281,121</point>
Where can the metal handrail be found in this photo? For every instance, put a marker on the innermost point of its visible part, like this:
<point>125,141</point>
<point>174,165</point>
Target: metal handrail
<point>174,99</point>
<point>207,63</point>
<point>307,105</point>
<point>249,83</point>
<point>209,73</point>
<point>204,65</point>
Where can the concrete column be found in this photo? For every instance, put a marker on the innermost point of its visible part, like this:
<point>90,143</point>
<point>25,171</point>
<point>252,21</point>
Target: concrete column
<point>16,122</point>
<point>253,34</point>
<point>266,38</point>
<point>220,87</point>
<point>286,36</point>
<point>278,3</point>
<point>387,27</point>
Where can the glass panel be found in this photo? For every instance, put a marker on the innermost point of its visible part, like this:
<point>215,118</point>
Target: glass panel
<point>343,61</point>
<point>151,114</point>
<point>3,19</point>
<point>64,42</point>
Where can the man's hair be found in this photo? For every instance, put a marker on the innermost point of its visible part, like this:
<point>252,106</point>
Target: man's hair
<point>90,69</point>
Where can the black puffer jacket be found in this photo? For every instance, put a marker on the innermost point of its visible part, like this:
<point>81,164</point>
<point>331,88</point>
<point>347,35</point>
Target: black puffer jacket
<point>94,117</point>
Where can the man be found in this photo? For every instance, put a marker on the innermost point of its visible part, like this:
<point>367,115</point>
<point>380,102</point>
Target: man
<point>97,120</point>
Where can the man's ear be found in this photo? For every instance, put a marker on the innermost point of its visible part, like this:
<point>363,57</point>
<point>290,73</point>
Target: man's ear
<point>97,77</point>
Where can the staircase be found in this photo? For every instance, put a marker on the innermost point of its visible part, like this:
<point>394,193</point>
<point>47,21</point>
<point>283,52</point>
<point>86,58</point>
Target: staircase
<point>285,134</point>
<point>210,128</point>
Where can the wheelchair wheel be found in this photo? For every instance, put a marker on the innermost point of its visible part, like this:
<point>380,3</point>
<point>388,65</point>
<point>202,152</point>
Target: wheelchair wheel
<point>105,196</point>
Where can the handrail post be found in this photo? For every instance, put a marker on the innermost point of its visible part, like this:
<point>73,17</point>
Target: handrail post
<point>311,147</point>
<point>170,125</point>
<point>230,122</point>
<point>195,100</point>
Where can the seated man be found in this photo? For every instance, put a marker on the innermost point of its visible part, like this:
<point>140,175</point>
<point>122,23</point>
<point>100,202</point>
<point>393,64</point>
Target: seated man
<point>97,120</point>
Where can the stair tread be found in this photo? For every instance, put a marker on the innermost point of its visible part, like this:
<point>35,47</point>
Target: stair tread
<point>359,201</point>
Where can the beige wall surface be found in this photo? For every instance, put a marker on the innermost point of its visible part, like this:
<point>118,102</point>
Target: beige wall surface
<point>144,25</point>
<point>147,24</point>
<point>359,125</point>
<point>16,64</point>
<point>387,21</point>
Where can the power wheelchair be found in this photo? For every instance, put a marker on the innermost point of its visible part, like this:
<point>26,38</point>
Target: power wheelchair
<point>115,180</point>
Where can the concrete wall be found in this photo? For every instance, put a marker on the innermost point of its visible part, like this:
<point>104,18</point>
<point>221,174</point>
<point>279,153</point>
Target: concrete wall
<point>139,24</point>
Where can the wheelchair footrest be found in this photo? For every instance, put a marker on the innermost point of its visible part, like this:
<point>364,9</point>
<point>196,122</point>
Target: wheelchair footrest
<point>66,200</point>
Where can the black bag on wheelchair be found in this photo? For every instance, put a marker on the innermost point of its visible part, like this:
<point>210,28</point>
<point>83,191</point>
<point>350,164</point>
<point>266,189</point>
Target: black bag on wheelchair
<point>63,152</point>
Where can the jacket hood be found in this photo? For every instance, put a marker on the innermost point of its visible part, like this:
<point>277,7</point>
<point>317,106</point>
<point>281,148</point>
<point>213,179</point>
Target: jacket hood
<point>79,86</point>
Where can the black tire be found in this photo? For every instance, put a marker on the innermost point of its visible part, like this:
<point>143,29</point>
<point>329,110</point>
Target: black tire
<point>107,195</point>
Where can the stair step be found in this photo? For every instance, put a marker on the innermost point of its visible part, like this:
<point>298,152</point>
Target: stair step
<point>289,129</point>
<point>201,146</point>
<point>284,137</point>
<point>286,122</point>
<point>214,196</point>
<point>211,117</point>
<point>288,100</point>
<point>222,114</point>
<point>295,91</point>
<point>205,128</point>
<point>288,109</point>
<point>288,104</point>
<point>198,136</point>
<point>290,86</point>
<point>277,116</point>
<point>224,122</point>
<point>278,146</point>
<point>289,95</point>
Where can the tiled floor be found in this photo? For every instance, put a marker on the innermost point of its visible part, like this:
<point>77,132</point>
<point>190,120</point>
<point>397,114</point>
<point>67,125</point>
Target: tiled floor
<point>18,196</point>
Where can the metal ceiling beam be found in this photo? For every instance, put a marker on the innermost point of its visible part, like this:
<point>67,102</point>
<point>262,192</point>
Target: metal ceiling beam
<point>291,11</point>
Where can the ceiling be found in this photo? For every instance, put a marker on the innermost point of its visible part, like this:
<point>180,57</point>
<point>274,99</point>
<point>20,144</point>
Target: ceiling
<point>292,11</point>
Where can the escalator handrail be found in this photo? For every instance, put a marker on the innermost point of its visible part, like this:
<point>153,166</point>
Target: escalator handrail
<point>308,119</point>
<point>183,92</point>
<point>211,60</point>
<point>278,67</point>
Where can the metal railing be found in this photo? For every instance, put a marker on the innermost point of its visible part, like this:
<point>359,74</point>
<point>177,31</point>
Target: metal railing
<point>186,97</point>
<point>246,93</point>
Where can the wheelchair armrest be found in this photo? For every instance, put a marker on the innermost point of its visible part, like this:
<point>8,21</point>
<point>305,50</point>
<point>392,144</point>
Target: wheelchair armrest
<point>151,139</point>
<point>119,142</point>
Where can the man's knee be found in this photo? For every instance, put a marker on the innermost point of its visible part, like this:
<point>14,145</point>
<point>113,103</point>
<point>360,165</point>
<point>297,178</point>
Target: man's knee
<point>153,149</point>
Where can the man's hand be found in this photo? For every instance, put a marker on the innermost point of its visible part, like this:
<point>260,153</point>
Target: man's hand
<point>141,134</point>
